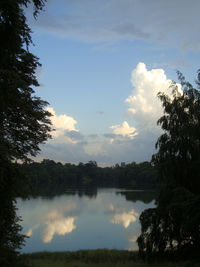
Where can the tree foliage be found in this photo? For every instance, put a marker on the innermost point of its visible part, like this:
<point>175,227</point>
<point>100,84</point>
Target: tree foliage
<point>24,123</point>
<point>175,223</point>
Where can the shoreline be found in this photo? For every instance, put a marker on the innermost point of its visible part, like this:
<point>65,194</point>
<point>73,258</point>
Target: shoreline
<point>101,258</point>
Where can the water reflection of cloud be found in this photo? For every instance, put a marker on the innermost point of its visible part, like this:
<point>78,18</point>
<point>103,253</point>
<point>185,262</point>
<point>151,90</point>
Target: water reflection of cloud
<point>29,233</point>
<point>133,239</point>
<point>88,223</point>
<point>122,217</point>
<point>125,218</point>
<point>56,219</point>
<point>61,226</point>
<point>132,236</point>
<point>133,244</point>
<point>111,207</point>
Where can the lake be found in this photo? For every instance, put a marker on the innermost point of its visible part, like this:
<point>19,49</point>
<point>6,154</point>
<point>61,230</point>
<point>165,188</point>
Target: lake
<point>105,218</point>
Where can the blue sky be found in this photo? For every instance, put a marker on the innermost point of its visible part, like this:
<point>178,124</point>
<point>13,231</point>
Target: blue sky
<point>103,62</point>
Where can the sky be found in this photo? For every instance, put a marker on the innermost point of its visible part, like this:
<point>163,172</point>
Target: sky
<point>103,64</point>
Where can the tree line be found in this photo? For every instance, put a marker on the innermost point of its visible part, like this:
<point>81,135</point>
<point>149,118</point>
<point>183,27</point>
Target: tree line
<point>49,177</point>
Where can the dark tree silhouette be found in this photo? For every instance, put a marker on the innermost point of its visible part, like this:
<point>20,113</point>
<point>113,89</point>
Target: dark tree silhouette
<point>24,123</point>
<point>51,178</point>
<point>174,224</point>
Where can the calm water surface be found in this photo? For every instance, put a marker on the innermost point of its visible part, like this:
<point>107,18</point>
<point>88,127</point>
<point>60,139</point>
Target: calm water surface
<point>107,219</point>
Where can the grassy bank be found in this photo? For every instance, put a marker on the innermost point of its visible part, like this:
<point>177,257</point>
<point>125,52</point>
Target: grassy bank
<point>97,258</point>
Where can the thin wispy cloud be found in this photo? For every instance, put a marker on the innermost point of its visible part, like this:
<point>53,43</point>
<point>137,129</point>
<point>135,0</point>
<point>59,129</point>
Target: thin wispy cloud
<point>75,135</point>
<point>165,22</point>
<point>100,112</point>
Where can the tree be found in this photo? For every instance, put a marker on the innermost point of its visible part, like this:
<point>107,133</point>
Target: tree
<point>24,123</point>
<point>174,224</point>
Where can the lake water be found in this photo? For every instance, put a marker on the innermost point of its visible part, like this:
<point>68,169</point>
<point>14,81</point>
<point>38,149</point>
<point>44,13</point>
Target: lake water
<point>108,218</point>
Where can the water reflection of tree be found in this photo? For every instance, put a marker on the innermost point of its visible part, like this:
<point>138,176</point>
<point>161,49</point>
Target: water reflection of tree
<point>144,196</point>
<point>90,192</point>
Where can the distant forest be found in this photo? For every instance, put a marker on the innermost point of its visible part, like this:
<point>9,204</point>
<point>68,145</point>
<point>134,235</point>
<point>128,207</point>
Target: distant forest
<point>49,177</point>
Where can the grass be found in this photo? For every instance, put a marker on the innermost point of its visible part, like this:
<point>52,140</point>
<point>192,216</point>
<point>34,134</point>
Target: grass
<point>97,258</point>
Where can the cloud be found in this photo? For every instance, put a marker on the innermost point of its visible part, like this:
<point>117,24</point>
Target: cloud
<point>64,128</point>
<point>128,141</point>
<point>61,123</point>
<point>144,106</point>
<point>109,135</point>
<point>173,23</point>
<point>93,136</point>
<point>124,130</point>
<point>121,133</point>
<point>94,150</point>
<point>178,63</point>
<point>64,152</point>
<point>75,135</point>
<point>75,153</point>
<point>138,149</point>
<point>69,144</point>
<point>144,109</point>
<point>100,112</point>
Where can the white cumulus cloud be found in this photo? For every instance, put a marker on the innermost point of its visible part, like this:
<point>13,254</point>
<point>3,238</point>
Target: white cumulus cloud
<point>144,105</point>
<point>124,130</point>
<point>129,141</point>
<point>63,125</point>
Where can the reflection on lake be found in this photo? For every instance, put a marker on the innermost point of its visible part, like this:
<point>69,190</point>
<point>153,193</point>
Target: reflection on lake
<point>107,219</point>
